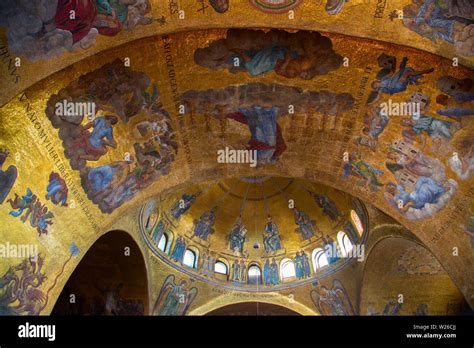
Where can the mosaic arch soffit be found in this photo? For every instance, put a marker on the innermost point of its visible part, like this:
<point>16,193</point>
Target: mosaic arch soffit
<point>393,22</point>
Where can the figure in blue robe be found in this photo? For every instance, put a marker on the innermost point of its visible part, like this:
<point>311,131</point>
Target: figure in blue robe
<point>328,205</point>
<point>434,127</point>
<point>305,224</point>
<point>178,250</point>
<point>436,25</point>
<point>236,271</point>
<point>44,221</point>
<point>91,146</point>
<point>57,190</point>
<point>100,131</point>
<point>266,273</point>
<point>258,62</point>
<point>455,111</point>
<point>173,300</point>
<point>271,237</point>
<point>237,236</point>
<point>426,191</point>
<point>109,7</point>
<point>262,123</point>
<point>182,205</point>
<point>399,81</point>
<point>330,249</point>
<point>101,177</point>
<point>203,227</point>
<point>158,231</point>
<point>21,204</point>
<point>175,252</point>
<point>274,274</point>
<point>299,271</point>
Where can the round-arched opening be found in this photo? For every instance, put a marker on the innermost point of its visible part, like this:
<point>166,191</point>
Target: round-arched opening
<point>111,279</point>
<point>345,244</point>
<point>320,259</point>
<point>255,275</point>
<point>287,270</point>
<point>190,258</point>
<point>253,309</point>
<point>221,267</point>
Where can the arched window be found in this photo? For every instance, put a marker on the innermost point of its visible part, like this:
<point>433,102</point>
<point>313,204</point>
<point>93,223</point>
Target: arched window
<point>163,242</point>
<point>150,222</point>
<point>287,269</point>
<point>358,224</point>
<point>344,243</point>
<point>220,267</point>
<point>255,275</point>
<point>320,259</point>
<point>150,215</point>
<point>190,259</point>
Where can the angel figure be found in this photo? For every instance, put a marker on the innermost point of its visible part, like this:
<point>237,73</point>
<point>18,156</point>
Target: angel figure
<point>174,299</point>
<point>396,81</point>
<point>334,301</point>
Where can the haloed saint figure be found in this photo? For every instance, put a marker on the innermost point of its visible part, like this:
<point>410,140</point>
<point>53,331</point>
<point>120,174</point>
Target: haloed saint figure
<point>174,299</point>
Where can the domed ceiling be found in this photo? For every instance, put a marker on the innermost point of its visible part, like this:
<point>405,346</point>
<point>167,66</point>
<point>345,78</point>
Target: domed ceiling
<point>256,221</point>
<point>319,91</point>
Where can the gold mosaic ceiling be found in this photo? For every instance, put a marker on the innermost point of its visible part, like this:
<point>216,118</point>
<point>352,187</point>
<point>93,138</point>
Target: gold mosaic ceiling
<point>254,202</point>
<point>307,216</point>
<point>336,136</point>
<point>378,20</point>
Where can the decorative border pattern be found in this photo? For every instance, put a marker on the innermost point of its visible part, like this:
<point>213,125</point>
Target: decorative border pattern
<point>270,7</point>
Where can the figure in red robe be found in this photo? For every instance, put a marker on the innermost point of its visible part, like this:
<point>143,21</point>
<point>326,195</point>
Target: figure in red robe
<point>85,12</point>
<point>266,137</point>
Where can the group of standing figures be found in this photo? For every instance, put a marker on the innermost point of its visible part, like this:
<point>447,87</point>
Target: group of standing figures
<point>302,268</point>
<point>270,273</point>
<point>238,271</point>
<point>207,265</point>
